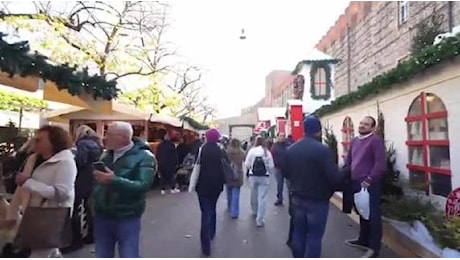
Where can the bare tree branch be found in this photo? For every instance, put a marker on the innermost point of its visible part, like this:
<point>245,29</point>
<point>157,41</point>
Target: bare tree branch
<point>108,32</point>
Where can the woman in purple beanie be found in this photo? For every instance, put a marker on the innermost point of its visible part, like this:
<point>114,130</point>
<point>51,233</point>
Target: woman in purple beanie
<point>210,184</point>
<point>212,135</point>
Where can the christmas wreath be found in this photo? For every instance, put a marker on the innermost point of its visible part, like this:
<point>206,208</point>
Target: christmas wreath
<point>315,66</point>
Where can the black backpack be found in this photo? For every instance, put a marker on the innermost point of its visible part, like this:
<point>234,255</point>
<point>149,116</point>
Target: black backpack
<point>258,167</point>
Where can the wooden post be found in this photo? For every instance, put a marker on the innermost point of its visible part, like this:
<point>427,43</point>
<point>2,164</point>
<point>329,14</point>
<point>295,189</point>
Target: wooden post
<point>100,127</point>
<point>21,114</point>
<point>146,130</point>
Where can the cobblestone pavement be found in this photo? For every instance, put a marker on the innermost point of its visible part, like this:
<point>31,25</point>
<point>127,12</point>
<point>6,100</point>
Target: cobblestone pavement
<point>171,228</point>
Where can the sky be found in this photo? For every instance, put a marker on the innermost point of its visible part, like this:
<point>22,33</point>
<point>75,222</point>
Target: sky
<point>279,34</point>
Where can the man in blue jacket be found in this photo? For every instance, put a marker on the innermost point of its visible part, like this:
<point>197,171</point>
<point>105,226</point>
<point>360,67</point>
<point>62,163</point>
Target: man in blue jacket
<point>311,170</point>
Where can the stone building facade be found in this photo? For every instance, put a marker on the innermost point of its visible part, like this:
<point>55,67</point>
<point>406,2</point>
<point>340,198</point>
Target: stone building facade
<point>372,37</point>
<point>278,88</point>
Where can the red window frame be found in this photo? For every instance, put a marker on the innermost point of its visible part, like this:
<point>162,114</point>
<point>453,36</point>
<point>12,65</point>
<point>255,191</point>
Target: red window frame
<point>425,143</point>
<point>348,132</point>
<point>320,82</point>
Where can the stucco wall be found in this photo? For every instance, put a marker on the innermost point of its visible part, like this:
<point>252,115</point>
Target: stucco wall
<point>443,81</point>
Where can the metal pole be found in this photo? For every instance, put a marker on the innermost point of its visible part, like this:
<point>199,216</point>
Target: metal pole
<point>20,119</point>
<point>348,60</point>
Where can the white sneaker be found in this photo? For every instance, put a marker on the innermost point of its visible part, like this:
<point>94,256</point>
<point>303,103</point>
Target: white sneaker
<point>174,191</point>
<point>163,192</point>
<point>369,254</point>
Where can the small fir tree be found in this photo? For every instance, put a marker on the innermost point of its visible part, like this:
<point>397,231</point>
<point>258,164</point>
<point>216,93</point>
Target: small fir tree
<point>391,176</point>
<point>427,30</point>
<point>331,141</point>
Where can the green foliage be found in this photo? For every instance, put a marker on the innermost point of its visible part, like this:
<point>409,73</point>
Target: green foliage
<point>380,129</point>
<point>446,233</point>
<point>314,69</point>
<point>427,30</point>
<point>152,98</point>
<point>16,59</point>
<point>391,185</point>
<point>11,101</point>
<point>407,209</point>
<point>195,124</point>
<point>419,62</point>
<point>331,141</point>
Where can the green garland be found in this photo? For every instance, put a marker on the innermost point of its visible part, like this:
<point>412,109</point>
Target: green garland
<point>299,65</point>
<point>193,123</point>
<point>314,68</point>
<point>419,62</point>
<point>16,59</point>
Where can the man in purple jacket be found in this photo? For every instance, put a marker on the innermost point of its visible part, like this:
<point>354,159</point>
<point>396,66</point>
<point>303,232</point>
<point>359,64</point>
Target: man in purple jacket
<point>367,162</point>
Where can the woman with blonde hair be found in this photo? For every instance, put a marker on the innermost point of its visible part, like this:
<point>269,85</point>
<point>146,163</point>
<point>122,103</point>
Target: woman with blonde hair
<point>236,157</point>
<point>88,149</point>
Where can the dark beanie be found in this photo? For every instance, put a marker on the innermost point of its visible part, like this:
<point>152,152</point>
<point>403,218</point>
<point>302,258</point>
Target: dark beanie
<point>311,125</point>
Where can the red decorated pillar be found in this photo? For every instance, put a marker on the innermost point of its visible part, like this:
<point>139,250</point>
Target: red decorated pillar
<point>295,119</point>
<point>281,125</point>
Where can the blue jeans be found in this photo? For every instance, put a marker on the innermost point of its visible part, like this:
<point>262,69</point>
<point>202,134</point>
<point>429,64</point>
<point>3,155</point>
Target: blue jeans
<point>233,200</point>
<point>370,231</point>
<point>259,189</point>
<point>208,221</point>
<point>109,232</point>
<point>309,220</point>
<point>279,184</point>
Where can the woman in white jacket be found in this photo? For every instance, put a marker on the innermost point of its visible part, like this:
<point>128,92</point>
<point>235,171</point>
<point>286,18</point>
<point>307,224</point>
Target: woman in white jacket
<point>260,163</point>
<point>49,175</point>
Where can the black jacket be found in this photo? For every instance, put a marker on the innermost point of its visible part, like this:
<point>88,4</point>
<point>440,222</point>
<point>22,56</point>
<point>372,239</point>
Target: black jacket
<point>88,150</point>
<point>211,180</point>
<point>278,151</point>
<point>167,156</point>
<point>311,170</point>
<point>182,151</point>
<point>347,191</point>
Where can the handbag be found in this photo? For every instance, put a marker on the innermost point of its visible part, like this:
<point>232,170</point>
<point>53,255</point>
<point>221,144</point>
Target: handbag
<point>44,228</point>
<point>195,173</point>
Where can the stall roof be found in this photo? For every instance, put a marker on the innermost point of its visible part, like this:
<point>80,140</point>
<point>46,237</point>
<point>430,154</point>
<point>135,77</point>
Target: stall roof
<point>270,113</point>
<point>164,119</point>
<point>117,112</point>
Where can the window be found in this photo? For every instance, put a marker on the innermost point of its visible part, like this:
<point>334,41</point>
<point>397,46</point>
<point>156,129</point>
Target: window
<point>403,7</point>
<point>320,82</point>
<point>348,133</point>
<point>428,145</point>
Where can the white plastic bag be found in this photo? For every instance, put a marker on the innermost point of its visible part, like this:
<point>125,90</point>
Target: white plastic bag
<point>362,203</point>
<point>450,253</point>
<point>195,174</point>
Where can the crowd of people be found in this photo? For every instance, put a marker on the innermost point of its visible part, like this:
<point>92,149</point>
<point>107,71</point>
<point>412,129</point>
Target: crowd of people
<point>104,184</point>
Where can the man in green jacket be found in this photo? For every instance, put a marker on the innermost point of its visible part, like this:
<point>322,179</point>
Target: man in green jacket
<point>120,192</point>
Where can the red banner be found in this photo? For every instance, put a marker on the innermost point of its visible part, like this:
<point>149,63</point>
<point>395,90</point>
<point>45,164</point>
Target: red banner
<point>281,125</point>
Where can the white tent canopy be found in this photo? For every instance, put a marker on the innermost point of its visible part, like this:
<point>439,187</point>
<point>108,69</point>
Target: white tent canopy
<point>270,113</point>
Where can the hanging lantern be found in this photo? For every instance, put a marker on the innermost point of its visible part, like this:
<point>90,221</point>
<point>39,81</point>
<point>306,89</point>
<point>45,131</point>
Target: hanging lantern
<point>243,35</point>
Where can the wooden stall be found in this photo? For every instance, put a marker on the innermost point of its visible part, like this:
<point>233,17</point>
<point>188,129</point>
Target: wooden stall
<point>151,127</point>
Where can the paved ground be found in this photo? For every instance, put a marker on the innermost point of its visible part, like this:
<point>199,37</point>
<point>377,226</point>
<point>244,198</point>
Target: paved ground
<point>171,227</point>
